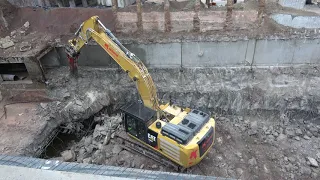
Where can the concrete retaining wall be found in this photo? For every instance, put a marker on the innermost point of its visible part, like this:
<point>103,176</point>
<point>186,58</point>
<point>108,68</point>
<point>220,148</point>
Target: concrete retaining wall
<point>265,52</point>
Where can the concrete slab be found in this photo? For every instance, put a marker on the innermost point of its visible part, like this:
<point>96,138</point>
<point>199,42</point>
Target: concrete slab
<point>297,4</point>
<point>294,21</point>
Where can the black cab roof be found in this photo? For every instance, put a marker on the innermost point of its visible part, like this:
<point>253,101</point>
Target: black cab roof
<point>139,111</point>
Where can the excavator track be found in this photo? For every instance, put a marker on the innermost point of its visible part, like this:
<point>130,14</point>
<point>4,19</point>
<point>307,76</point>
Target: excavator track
<point>137,147</point>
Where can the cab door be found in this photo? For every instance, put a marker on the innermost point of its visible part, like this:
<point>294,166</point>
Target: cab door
<point>136,127</point>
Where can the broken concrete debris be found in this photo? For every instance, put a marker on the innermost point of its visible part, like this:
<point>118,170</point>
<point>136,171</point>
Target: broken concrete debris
<point>6,42</point>
<point>306,137</point>
<point>100,147</point>
<point>95,145</point>
<point>252,161</point>
<point>298,132</point>
<point>44,105</point>
<point>22,33</point>
<point>281,137</point>
<point>116,149</point>
<point>312,162</point>
<point>87,160</point>
<point>68,155</point>
<point>25,46</point>
<point>26,24</point>
<point>13,33</point>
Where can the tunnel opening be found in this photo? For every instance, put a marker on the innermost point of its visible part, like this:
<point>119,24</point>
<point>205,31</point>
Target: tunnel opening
<point>69,135</point>
<point>13,72</point>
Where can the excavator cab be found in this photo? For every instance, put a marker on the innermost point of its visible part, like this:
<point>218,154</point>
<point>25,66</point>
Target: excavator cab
<point>137,118</point>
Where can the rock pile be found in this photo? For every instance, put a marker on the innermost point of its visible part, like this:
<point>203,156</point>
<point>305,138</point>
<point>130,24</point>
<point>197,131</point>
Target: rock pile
<point>297,145</point>
<point>101,147</point>
<point>94,148</point>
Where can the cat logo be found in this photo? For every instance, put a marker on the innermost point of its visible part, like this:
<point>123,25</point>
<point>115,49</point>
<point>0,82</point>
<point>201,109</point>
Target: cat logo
<point>151,138</point>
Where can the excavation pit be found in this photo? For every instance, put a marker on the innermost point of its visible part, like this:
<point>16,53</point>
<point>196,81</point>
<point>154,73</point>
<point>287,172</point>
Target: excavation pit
<point>259,107</point>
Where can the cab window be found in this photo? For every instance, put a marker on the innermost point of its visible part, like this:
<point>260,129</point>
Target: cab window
<point>131,125</point>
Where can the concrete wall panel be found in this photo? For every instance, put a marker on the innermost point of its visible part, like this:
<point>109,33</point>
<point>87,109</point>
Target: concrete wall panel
<point>274,52</point>
<point>207,54</point>
<point>250,51</point>
<point>158,55</point>
<point>307,51</point>
<point>91,55</point>
<point>210,54</point>
<point>51,59</point>
<point>152,55</point>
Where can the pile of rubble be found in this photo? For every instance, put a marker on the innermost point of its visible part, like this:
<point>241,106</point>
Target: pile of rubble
<point>246,147</point>
<point>15,37</point>
<point>286,146</point>
<point>101,147</point>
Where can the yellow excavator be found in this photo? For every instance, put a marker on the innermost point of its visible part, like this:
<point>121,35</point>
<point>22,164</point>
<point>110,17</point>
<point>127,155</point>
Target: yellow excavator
<point>182,135</point>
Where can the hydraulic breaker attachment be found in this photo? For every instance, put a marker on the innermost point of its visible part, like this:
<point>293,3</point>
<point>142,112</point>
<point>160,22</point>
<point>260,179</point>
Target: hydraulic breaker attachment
<point>73,60</point>
<point>73,65</point>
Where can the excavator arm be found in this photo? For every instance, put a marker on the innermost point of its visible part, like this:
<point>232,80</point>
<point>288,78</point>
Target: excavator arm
<point>132,65</point>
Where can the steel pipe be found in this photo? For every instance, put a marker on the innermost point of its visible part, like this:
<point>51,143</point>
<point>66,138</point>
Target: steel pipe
<point>9,77</point>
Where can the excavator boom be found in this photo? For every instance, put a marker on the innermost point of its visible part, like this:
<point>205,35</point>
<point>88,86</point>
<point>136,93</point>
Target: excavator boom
<point>129,62</point>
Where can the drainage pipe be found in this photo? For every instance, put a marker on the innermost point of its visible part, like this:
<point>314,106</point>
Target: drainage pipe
<point>9,77</point>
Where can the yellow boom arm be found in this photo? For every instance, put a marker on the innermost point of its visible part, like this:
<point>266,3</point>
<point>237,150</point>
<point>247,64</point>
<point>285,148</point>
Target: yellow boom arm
<point>132,65</point>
